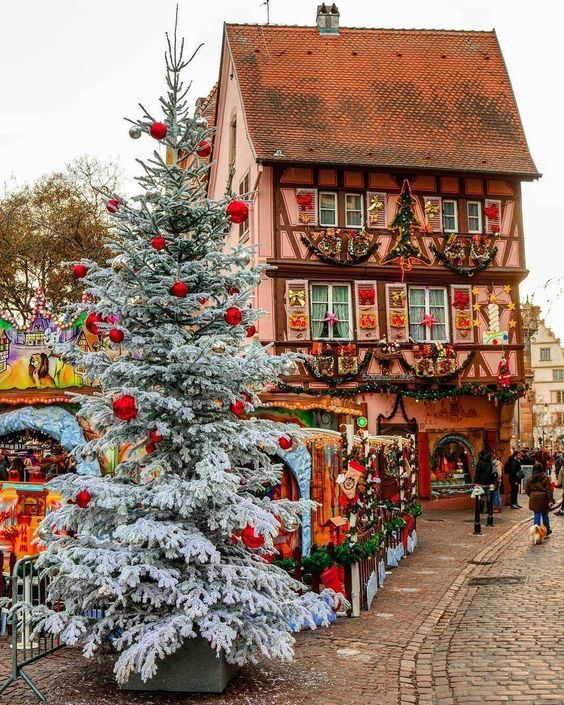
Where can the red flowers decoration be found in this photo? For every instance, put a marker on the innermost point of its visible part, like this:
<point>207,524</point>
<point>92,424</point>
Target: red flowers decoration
<point>238,211</point>
<point>204,149</point>
<point>124,407</point>
<point>80,270</point>
<point>304,201</point>
<point>460,299</point>
<point>158,130</point>
<point>285,442</point>
<point>251,539</point>
<point>492,212</point>
<point>179,289</point>
<point>233,316</point>
<point>83,499</point>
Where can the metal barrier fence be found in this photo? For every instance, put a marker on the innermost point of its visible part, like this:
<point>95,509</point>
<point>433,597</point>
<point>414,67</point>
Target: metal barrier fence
<point>28,590</point>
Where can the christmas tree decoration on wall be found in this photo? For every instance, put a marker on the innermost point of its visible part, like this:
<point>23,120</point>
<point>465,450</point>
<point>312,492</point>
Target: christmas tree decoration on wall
<point>404,222</point>
<point>298,321</point>
<point>238,211</point>
<point>428,320</point>
<point>460,299</point>
<point>304,201</point>
<point>179,506</point>
<point>503,371</point>
<point>158,130</point>
<point>296,297</point>
<point>376,207</point>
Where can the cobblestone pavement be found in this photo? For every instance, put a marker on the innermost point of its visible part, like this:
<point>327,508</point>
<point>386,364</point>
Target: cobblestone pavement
<point>464,621</point>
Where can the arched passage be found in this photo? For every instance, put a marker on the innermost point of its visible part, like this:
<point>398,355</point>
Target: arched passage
<point>55,422</point>
<point>453,461</point>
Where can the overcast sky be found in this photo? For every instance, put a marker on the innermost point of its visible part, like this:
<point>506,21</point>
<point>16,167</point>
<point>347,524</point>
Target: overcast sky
<point>71,70</point>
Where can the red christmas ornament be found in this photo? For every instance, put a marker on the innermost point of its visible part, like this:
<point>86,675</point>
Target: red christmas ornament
<point>251,539</point>
<point>247,397</point>
<point>83,499</point>
<point>179,289</point>
<point>461,299</point>
<point>285,442</point>
<point>233,290</point>
<point>251,330</point>
<point>202,299</point>
<point>112,205</point>
<point>237,407</point>
<point>204,149</point>
<point>124,407</point>
<point>80,270</point>
<point>155,436</point>
<point>233,316</point>
<point>91,323</point>
<point>150,448</point>
<point>158,130</point>
<point>238,211</point>
<point>158,243</point>
<point>116,335</point>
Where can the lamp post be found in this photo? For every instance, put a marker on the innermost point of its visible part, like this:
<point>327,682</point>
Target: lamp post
<point>530,322</point>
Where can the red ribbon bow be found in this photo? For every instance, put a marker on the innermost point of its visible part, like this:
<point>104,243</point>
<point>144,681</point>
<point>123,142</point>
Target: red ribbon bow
<point>366,297</point>
<point>305,201</point>
<point>492,212</point>
<point>461,299</point>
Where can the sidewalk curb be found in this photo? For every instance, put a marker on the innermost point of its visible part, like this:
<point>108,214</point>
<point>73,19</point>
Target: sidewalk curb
<point>414,656</point>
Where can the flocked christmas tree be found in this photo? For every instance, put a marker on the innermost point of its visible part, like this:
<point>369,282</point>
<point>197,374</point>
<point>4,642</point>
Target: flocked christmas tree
<point>176,542</point>
<point>404,221</point>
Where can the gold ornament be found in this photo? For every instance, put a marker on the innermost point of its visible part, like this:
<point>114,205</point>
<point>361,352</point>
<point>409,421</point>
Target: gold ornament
<point>137,301</point>
<point>375,204</point>
<point>296,297</point>
<point>120,263</point>
<point>493,299</point>
<point>219,347</point>
<point>431,208</point>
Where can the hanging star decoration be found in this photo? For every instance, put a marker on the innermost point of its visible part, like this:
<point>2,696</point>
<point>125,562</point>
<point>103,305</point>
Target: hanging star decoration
<point>511,306</point>
<point>476,306</point>
<point>331,319</point>
<point>512,323</point>
<point>507,289</point>
<point>475,290</point>
<point>476,323</point>
<point>428,320</point>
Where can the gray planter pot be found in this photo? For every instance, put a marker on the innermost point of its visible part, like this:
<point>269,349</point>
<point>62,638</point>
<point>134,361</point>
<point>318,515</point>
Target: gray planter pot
<point>194,668</point>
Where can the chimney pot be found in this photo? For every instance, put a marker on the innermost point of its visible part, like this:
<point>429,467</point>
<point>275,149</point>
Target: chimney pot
<point>328,19</point>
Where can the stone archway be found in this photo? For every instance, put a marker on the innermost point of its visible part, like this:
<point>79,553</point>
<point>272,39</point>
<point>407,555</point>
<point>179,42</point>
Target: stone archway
<point>54,421</point>
<point>299,461</point>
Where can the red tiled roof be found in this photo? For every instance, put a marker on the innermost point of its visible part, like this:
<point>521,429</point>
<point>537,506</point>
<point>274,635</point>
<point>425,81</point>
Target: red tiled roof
<point>376,97</point>
<point>207,106</point>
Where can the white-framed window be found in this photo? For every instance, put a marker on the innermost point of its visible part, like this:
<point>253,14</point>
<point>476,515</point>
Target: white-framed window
<point>558,375</point>
<point>244,227</point>
<point>557,396</point>
<point>328,209</point>
<point>450,216</point>
<point>545,355</point>
<point>474,213</point>
<point>428,301</point>
<point>354,214</point>
<point>331,311</point>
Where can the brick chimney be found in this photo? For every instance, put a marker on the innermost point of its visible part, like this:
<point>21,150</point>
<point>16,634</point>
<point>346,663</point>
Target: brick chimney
<point>328,19</point>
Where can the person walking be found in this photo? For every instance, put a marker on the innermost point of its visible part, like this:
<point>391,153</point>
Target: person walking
<point>560,483</point>
<point>515,472</point>
<point>498,471</point>
<point>541,498</point>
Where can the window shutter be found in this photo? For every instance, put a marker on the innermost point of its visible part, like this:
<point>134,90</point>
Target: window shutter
<point>396,311</point>
<point>461,313</point>
<point>376,215</point>
<point>297,310</point>
<point>306,204</point>
<point>492,211</point>
<point>433,209</point>
<point>366,307</point>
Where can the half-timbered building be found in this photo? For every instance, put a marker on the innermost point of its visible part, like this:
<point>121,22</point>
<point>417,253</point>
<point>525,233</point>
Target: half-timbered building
<point>383,169</point>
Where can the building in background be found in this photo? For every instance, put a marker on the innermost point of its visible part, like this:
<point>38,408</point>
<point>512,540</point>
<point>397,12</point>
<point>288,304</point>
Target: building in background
<point>547,362</point>
<point>383,169</point>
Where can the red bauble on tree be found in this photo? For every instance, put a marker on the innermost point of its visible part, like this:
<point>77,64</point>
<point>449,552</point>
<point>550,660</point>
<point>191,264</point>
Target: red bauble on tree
<point>233,316</point>
<point>124,407</point>
<point>112,205</point>
<point>80,270</point>
<point>238,211</point>
<point>202,300</point>
<point>251,330</point>
<point>285,442</point>
<point>116,335</point>
<point>179,289</point>
<point>251,539</point>
<point>91,323</point>
<point>204,149</point>
<point>155,436</point>
<point>158,243</point>
<point>83,499</point>
<point>237,407</point>
<point>233,290</point>
<point>158,130</point>
<point>150,448</point>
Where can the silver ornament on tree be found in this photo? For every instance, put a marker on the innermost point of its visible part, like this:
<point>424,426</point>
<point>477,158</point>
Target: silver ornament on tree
<point>219,347</point>
<point>201,121</point>
<point>135,132</point>
<point>288,367</point>
<point>120,263</point>
<point>245,259</point>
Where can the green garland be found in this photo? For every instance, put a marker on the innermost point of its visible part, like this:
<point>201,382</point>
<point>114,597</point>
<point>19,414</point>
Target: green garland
<point>333,260</point>
<point>474,389</point>
<point>440,378</point>
<point>464,271</point>
<point>415,510</point>
<point>334,381</point>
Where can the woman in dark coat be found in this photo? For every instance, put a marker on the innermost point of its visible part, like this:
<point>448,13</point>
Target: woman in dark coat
<point>539,489</point>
